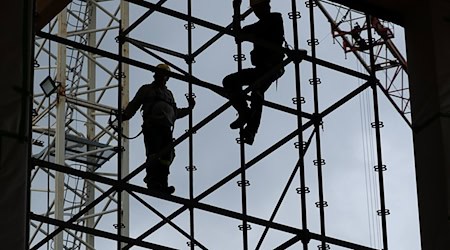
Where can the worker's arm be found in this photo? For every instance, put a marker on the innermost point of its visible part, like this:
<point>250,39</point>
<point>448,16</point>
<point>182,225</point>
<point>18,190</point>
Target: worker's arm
<point>134,105</point>
<point>182,112</point>
<point>250,29</point>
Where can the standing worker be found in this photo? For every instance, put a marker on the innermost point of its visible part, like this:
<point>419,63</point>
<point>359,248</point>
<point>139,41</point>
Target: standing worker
<point>159,112</point>
<point>267,54</point>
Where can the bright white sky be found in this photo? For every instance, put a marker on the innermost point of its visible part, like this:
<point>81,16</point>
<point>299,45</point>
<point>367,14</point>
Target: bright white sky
<point>350,184</point>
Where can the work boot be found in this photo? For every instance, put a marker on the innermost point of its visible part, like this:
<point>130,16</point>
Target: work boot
<point>248,136</point>
<point>159,187</point>
<point>241,120</point>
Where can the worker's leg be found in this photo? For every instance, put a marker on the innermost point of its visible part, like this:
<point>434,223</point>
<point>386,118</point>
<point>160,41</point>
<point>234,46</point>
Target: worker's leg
<point>256,105</point>
<point>158,171</point>
<point>154,141</point>
<point>233,84</point>
<point>257,101</point>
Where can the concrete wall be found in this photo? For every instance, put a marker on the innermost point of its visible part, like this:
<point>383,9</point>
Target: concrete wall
<point>15,87</point>
<point>427,27</point>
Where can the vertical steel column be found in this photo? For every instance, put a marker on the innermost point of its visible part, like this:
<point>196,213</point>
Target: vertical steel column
<point>90,127</point>
<point>60,126</point>
<point>319,162</point>
<point>191,137</point>
<point>294,15</point>
<point>243,182</point>
<point>380,168</point>
<point>125,93</point>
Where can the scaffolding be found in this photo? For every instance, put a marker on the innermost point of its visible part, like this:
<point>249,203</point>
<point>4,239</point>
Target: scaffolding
<point>82,186</point>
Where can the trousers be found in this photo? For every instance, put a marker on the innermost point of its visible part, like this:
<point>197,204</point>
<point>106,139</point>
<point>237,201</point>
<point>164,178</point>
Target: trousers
<point>233,84</point>
<point>157,138</point>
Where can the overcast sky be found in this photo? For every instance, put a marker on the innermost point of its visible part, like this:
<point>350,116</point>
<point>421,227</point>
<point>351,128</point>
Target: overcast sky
<point>348,144</point>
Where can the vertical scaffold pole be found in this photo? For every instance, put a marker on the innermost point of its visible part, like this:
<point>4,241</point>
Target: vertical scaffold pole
<point>243,182</point>
<point>125,95</point>
<point>190,94</point>
<point>294,16</point>
<point>90,126</point>
<point>319,162</point>
<point>119,141</point>
<point>377,124</point>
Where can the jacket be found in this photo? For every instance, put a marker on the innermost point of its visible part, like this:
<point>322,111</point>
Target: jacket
<point>157,104</point>
<point>268,30</point>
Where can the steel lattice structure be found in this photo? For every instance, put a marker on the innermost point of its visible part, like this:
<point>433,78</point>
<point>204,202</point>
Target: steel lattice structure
<point>81,164</point>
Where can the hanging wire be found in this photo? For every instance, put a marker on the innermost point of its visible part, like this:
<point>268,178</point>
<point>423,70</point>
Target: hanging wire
<point>365,166</point>
<point>372,176</point>
<point>368,158</point>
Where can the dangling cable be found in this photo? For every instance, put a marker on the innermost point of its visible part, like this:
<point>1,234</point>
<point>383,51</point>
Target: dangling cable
<point>368,157</point>
<point>363,122</point>
<point>115,127</point>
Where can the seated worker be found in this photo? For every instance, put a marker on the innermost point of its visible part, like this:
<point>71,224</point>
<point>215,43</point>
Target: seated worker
<point>269,30</point>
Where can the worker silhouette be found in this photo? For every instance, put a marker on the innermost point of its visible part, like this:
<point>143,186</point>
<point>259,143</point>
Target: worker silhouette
<point>356,35</point>
<point>268,37</point>
<point>159,112</point>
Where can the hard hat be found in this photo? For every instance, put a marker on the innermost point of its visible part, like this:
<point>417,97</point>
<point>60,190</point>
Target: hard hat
<point>256,2</point>
<point>163,66</point>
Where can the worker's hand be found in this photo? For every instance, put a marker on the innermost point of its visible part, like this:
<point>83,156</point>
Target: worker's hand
<point>191,102</point>
<point>123,116</point>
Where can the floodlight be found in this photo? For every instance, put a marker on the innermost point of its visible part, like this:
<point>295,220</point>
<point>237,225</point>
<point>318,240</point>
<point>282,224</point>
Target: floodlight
<point>48,86</point>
